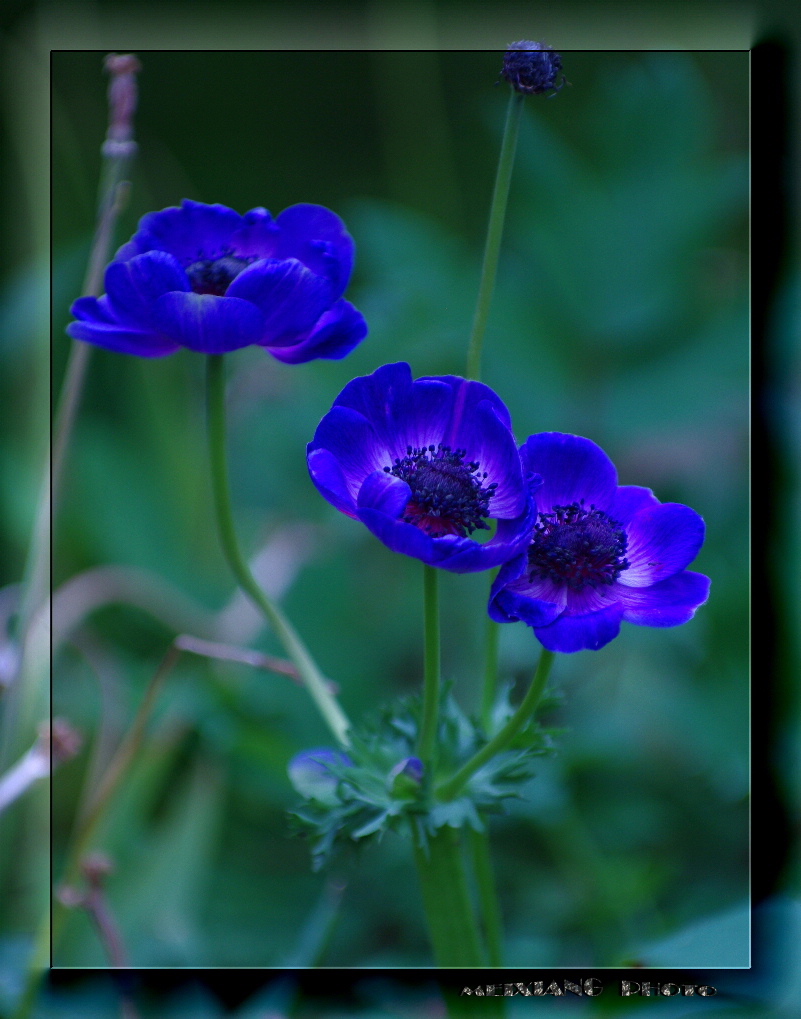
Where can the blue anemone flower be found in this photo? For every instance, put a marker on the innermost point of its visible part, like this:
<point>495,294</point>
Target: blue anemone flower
<point>424,464</point>
<point>598,554</point>
<point>204,277</point>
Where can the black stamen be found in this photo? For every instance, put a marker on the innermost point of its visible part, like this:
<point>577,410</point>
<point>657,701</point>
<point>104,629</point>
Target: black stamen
<point>577,547</point>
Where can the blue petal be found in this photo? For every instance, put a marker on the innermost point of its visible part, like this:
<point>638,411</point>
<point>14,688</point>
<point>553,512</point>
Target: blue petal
<point>468,394</point>
<point>208,324</point>
<point>671,602</point>
<point>290,297</point>
<point>257,236</point>
<point>352,441</point>
<point>572,468</point>
<point>661,541</point>
<point>329,478</point>
<point>318,238</point>
<point>334,336</point>
<point>385,493</point>
<point>581,633</point>
<point>132,287</point>
<point>401,537</point>
<point>513,597</point>
<point>97,324</point>
<point>487,439</point>
<point>193,231</point>
<point>630,499</point>
<point>403,413</point>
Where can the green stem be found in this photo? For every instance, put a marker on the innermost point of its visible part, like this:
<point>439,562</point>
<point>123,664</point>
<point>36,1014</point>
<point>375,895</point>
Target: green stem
<point>446,899</point>
<point>494,232</point>
<point>431,668</point>
<point>310,674</point>
<point>488,899</point>
<point>493,634</point>
<point>451,788</point>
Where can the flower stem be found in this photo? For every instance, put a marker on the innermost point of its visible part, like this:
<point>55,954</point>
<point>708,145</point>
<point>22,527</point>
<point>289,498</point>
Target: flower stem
<point>47,935</point>
<point>446,898</point>
<point>494,232</point>
<point>493,635</point>
<point>490,911</point>
<point>431,668</point>
<point>313,679</point>
<point>451,788</point>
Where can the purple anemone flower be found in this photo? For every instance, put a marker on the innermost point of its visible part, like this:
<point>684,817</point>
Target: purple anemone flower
<point>204,277</point>
<point>424,464</point>
<point>599,553</point>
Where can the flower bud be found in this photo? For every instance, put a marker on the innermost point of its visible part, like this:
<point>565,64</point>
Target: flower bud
<point>310,774</point>
<point>405,778</point>
<point>531,67</point>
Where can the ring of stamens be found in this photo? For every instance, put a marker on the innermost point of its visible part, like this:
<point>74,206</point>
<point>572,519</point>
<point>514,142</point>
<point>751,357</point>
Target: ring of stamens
<point>577,546</point>
<point>449,496</point>
<point>215,275</point>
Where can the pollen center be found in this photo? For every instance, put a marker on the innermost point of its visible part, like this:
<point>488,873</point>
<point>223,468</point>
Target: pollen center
<point>448,495</point>
<point>578,547</point>
<point>214,275</point>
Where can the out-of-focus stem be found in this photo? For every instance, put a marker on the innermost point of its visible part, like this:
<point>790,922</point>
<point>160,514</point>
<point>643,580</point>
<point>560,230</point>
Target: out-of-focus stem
<point>431,671</point>
<point>492,247</point>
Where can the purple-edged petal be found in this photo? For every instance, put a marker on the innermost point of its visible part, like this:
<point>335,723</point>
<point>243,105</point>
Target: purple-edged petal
<point>290,297</point>
<point>399,536</point>
<point>581,633</point>
<point>488,440</point>
<point>352,441</point>
<point>510,600</point>
<point>572,468</point>
<point>384,493</point>
<point>318,238</point>
<point>630,499</point>
<point>403,413</point>
<point>132,287</point>
<point>468,394</point>
<point>334,336</point>
<point>671,602</point>
<point>208,324</point>
<point>661,541</point>
<point>105,332</point>
<point>192,231</point>
<point>330,480</point>
<point>257,236</point>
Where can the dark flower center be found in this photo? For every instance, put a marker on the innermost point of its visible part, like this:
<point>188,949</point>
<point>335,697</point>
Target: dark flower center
<point>214,275</point>
<point>577,547</point>
<point>448,495</point>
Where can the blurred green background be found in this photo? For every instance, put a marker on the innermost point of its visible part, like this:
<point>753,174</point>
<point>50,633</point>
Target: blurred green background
<point>620,314</point>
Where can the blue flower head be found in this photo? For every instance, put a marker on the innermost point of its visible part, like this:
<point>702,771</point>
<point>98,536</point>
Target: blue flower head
<point>598,554</point>
<point>532,67</point>
<point>204,277</point>
<point>424,465</point>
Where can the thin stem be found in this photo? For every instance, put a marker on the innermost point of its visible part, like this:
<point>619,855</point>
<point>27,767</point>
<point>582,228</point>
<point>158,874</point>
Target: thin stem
<point>446,898</point>
<point>494,232</point>
<point>451,788</point>
<point>488,899</point>
<point>493,635</point>
<point>313,679</point>
<point>431,667</point>
<point>48,936</point>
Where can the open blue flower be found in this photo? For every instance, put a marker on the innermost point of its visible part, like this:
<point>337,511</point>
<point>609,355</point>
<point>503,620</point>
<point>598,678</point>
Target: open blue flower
<point>424,464</point>
<point>599,553</point>
<point>204,277</point>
